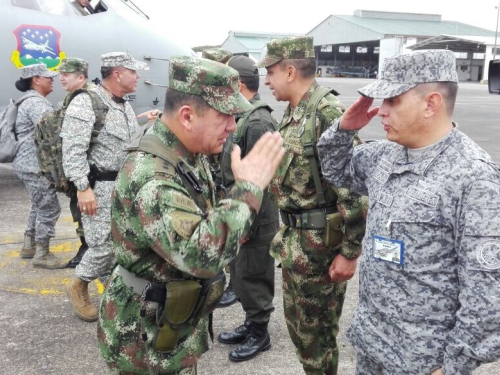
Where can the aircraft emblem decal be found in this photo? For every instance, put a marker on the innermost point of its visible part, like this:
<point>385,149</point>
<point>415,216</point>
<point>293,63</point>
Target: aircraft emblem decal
<point>37,44</point>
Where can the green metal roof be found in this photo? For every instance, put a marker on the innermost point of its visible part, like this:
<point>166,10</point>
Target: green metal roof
<point>389,26</point>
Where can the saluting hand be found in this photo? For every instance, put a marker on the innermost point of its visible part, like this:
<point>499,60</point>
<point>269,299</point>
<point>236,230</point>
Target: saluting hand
<point>359,114</point>
<point>260,164</point>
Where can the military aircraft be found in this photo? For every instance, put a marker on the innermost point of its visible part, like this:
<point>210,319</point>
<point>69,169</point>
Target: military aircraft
<point>48,31</point>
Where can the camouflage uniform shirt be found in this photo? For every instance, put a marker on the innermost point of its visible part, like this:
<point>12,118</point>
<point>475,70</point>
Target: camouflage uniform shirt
<point>293,190</point>
<point>29,114</point>
<point>108,152</point>
<point>159,234</point>
<point>441,308</point>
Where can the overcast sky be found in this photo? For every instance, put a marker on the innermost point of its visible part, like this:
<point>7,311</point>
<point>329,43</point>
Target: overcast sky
<point>201,22</point>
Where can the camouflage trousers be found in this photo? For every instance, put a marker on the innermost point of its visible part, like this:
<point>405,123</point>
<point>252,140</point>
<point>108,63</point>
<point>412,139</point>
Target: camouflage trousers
<point>98,261</point>
<point>366,366</point>
<point>312,307</point>
<point>45,208</point>
<point>185,371</point>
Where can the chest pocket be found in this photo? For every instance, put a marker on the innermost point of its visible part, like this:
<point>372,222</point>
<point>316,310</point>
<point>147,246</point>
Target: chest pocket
<point>116,128</point>
<point>424,231</point>
<point>294,171</point>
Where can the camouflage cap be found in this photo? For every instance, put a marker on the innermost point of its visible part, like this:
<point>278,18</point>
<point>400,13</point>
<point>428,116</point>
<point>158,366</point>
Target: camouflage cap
<point>216,83</point>
<point>404,72</point>
<point>125,59</point>
<point>300,47</point>
<point>36,70</point>
<point>245,66</point>
<point>217,54</point>
<point>73,64</point>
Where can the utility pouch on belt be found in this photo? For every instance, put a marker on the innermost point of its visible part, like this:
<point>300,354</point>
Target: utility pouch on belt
<point>186,302</point>
<point>333,229</point>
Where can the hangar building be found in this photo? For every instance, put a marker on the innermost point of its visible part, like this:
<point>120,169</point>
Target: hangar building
<point>356,46</point>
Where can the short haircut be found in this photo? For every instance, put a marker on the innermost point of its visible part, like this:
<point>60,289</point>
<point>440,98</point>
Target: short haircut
<point>252,83</point>
<point>175,99</point>
<point>305,67</point>
<point>106,71</point>
<point>448,91</point>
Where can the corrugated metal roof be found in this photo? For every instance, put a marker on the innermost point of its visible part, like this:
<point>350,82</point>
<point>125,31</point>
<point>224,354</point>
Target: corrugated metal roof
<point>416,27</point>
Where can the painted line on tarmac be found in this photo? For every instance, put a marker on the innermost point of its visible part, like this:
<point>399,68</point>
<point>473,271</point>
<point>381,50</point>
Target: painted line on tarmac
<point>18,276</point>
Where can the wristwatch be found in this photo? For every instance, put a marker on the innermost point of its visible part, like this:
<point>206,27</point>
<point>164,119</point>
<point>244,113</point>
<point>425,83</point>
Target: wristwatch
<point>82,184</point>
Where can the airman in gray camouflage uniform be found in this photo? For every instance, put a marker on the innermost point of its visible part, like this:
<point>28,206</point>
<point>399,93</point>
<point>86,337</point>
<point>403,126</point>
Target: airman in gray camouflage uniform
<point>119,73</point>
<point>73,76</point>
<point>430,274</point>
<point>36,80</point>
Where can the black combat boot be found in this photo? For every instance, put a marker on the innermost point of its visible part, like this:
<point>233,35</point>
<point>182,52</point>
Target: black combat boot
<point>79,255</point>
<point>257,341</point>
<point>237,336</point>
<point>229,297</point>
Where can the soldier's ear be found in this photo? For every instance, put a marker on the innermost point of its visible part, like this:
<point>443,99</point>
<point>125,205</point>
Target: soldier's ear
<point>291,73</point>
<point>186,115</point>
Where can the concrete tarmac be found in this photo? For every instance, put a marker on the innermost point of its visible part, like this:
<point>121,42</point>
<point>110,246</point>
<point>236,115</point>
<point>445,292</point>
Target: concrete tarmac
<point>40,334</point>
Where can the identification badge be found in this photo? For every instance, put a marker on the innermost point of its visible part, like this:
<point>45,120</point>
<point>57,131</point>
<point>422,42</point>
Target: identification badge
<point>388,250</point>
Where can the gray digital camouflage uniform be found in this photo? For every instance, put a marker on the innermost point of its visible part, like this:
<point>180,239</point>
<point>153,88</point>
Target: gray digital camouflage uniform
<point>107,154</point>
<point>441,307</point>
<point>45,208</point>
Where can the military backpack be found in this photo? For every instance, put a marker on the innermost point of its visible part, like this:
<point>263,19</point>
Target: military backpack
<point>49,143</point>
<point>9,143</point>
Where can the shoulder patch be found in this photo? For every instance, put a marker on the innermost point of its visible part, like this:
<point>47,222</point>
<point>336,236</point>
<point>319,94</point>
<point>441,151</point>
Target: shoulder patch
<point>488,255</point>
<point>182,202</point>
<point>184,223</point>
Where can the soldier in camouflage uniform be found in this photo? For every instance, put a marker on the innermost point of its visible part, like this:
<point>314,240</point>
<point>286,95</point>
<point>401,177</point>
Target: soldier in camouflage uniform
<point>161,233</point>
<point>36,80</point>
<point>73,76</point>
<point>119,74</point>
<point>430,274</point>
<point>312,302</point>
<point>217,54</point>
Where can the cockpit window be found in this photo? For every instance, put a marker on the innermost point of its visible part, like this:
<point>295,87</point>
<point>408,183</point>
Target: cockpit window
<point>85,7</point>
<point>57,7</point>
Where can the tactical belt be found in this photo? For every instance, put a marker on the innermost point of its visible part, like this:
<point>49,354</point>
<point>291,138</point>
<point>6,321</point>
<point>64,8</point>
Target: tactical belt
<point>308,219</point>
<point>135,283</point>
<point>106,176</point>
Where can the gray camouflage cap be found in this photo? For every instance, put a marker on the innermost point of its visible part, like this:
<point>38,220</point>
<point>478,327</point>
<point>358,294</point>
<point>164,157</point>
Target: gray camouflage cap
<point>125,59</point>
<point>36,70</point>
<point>217,54</point>
<point>300,47</point>
<point>404,72</point>
<point>216,83</point>
<point>73,65</point>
